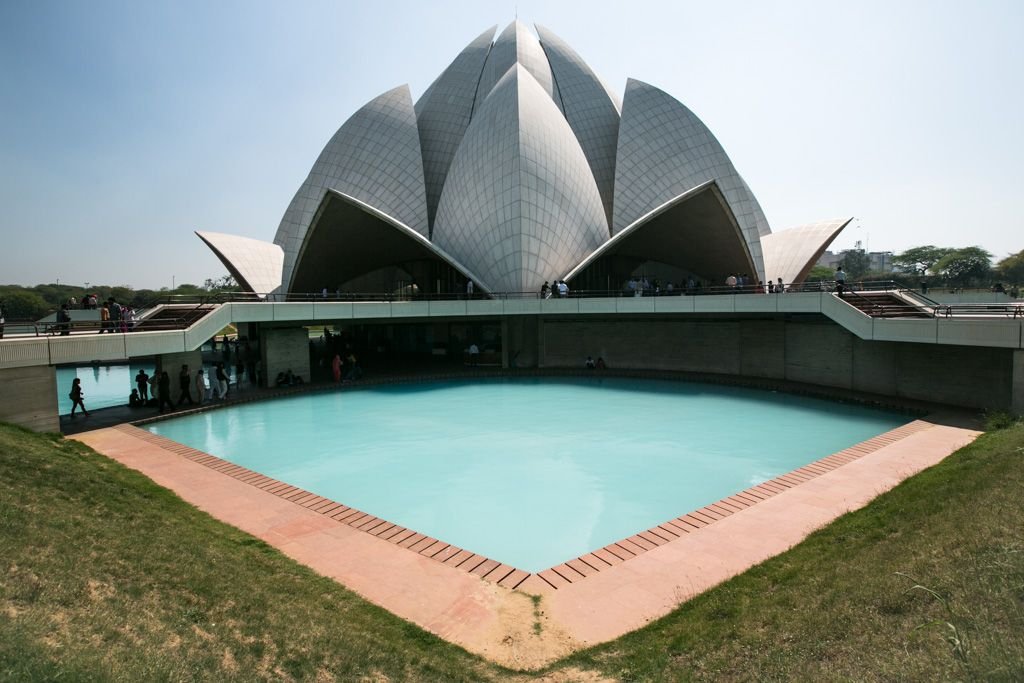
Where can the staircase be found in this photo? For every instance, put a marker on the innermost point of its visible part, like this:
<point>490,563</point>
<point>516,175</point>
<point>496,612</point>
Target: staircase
<point>884,305</point>
<point>174,317</point>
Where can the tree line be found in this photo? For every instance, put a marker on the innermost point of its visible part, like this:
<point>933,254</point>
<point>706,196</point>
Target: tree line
<point>32,303</point>
<point>960,267</point>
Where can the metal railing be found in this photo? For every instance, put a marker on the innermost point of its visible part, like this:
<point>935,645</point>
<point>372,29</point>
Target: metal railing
<point>155,318</point>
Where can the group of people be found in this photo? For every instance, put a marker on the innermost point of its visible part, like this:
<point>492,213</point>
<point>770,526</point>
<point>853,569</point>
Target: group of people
<point>347,369</point>
<point>155,389</point>
<point>743,283</point>
<point>117,318</point>
<point>592,364</point>
<point>557,288</point>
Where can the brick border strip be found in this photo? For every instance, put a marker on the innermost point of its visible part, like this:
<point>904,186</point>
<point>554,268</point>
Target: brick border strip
<point>569,572</point>
<point>579,568</point>
<point>446,553</point>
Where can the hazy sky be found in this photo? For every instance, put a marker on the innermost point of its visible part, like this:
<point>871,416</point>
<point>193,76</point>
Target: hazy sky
<point>124,126</point>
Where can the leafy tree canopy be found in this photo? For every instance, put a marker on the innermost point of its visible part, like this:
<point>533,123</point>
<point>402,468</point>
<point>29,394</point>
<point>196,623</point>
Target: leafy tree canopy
<point>20,304</point>
<point>1011,268</point>
<point>819,273</point>
<point>964,267</point>
<point>855,263</point>
<point>920,260</point>
<point>222,284</point>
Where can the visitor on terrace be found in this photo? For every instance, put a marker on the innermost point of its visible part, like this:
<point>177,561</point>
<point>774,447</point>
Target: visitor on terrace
<point>840,280</point>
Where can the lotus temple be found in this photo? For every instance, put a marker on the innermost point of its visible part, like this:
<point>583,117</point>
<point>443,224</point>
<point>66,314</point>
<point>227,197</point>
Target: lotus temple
<point>423,247</point>
<point>428,227</point>
<point>518,166</point>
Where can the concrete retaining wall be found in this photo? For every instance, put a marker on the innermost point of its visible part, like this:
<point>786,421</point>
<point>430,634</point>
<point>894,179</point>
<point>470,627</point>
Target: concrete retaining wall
<point>812,350</point>
<point>28,397</point>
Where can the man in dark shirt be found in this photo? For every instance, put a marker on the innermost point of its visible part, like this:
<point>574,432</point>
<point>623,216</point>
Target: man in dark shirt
<point>185,384</point>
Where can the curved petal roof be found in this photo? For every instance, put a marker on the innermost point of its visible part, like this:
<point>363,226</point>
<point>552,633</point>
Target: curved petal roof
<point>516,45</point>
<point>591,109</point>
<point>791,253</point>
<point>665,150</point>
<point>516,165</point>
<point>374,157</point>
<point>443,114</point>
<point>255,264</point>
<point>520,205</point>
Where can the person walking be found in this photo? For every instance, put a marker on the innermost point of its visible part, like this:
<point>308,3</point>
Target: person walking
<point>64,320</point>
<point>222,381</point>
<point>76,397</point>
<point>185,385</point>
<point>164,392</point>
<point>142,382</point>
<point>840,280</point>
<point>200,387</point>
<point>336,368</point>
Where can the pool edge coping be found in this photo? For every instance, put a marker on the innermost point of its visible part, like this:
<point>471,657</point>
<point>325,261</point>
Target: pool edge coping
<point>571,571</point>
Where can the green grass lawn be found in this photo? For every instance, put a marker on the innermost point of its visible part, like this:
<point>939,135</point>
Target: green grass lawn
<point>104,575</point>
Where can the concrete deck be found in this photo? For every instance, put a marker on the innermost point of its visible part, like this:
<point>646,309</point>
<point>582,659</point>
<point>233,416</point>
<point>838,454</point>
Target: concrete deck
<point>622,590</point>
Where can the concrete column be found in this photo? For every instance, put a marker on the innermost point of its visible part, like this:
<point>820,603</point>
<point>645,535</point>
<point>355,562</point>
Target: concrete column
<point>28,397</point>
<point>519,341</point>
<point>172,362</point>
<point>284,348</point>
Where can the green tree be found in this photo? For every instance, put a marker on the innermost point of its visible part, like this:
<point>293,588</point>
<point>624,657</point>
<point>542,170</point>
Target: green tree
<point>1011,268</point>
<point>855,263</point>
<point>965,267</point>
<point>225,283</point>
<point>819,273</point>
<point>920,260</point>
<point>22,304</point>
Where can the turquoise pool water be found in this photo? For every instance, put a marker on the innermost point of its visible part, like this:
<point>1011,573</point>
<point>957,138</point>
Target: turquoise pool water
<point>530,472</point>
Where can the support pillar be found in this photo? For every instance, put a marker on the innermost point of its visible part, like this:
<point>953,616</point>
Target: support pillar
<point>29,397</point>
<point>172,362</point>
<point>282,349</point>
<point>519,342</point>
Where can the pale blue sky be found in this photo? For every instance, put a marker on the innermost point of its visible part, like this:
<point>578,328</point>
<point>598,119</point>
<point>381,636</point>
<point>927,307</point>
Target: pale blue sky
<point>124,126</point>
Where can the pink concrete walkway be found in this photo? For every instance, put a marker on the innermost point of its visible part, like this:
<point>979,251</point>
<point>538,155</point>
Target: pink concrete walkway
<point>497,622</point>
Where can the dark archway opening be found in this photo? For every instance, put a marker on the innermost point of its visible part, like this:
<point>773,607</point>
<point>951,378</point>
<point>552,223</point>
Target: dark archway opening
<point>696,238</point>
<point>350,250</point>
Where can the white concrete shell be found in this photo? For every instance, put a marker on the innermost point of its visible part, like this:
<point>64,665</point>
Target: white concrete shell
<point>374,157</point>
<point>520,205</point>
<point>444,111</point>
<point>591,109</point>
<point>664,150</point>
<point>256,265</point>
<point>791,253</point>
<point>516,45</point>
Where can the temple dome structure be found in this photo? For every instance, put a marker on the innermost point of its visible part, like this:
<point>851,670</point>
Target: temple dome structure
<point>519,165</point>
